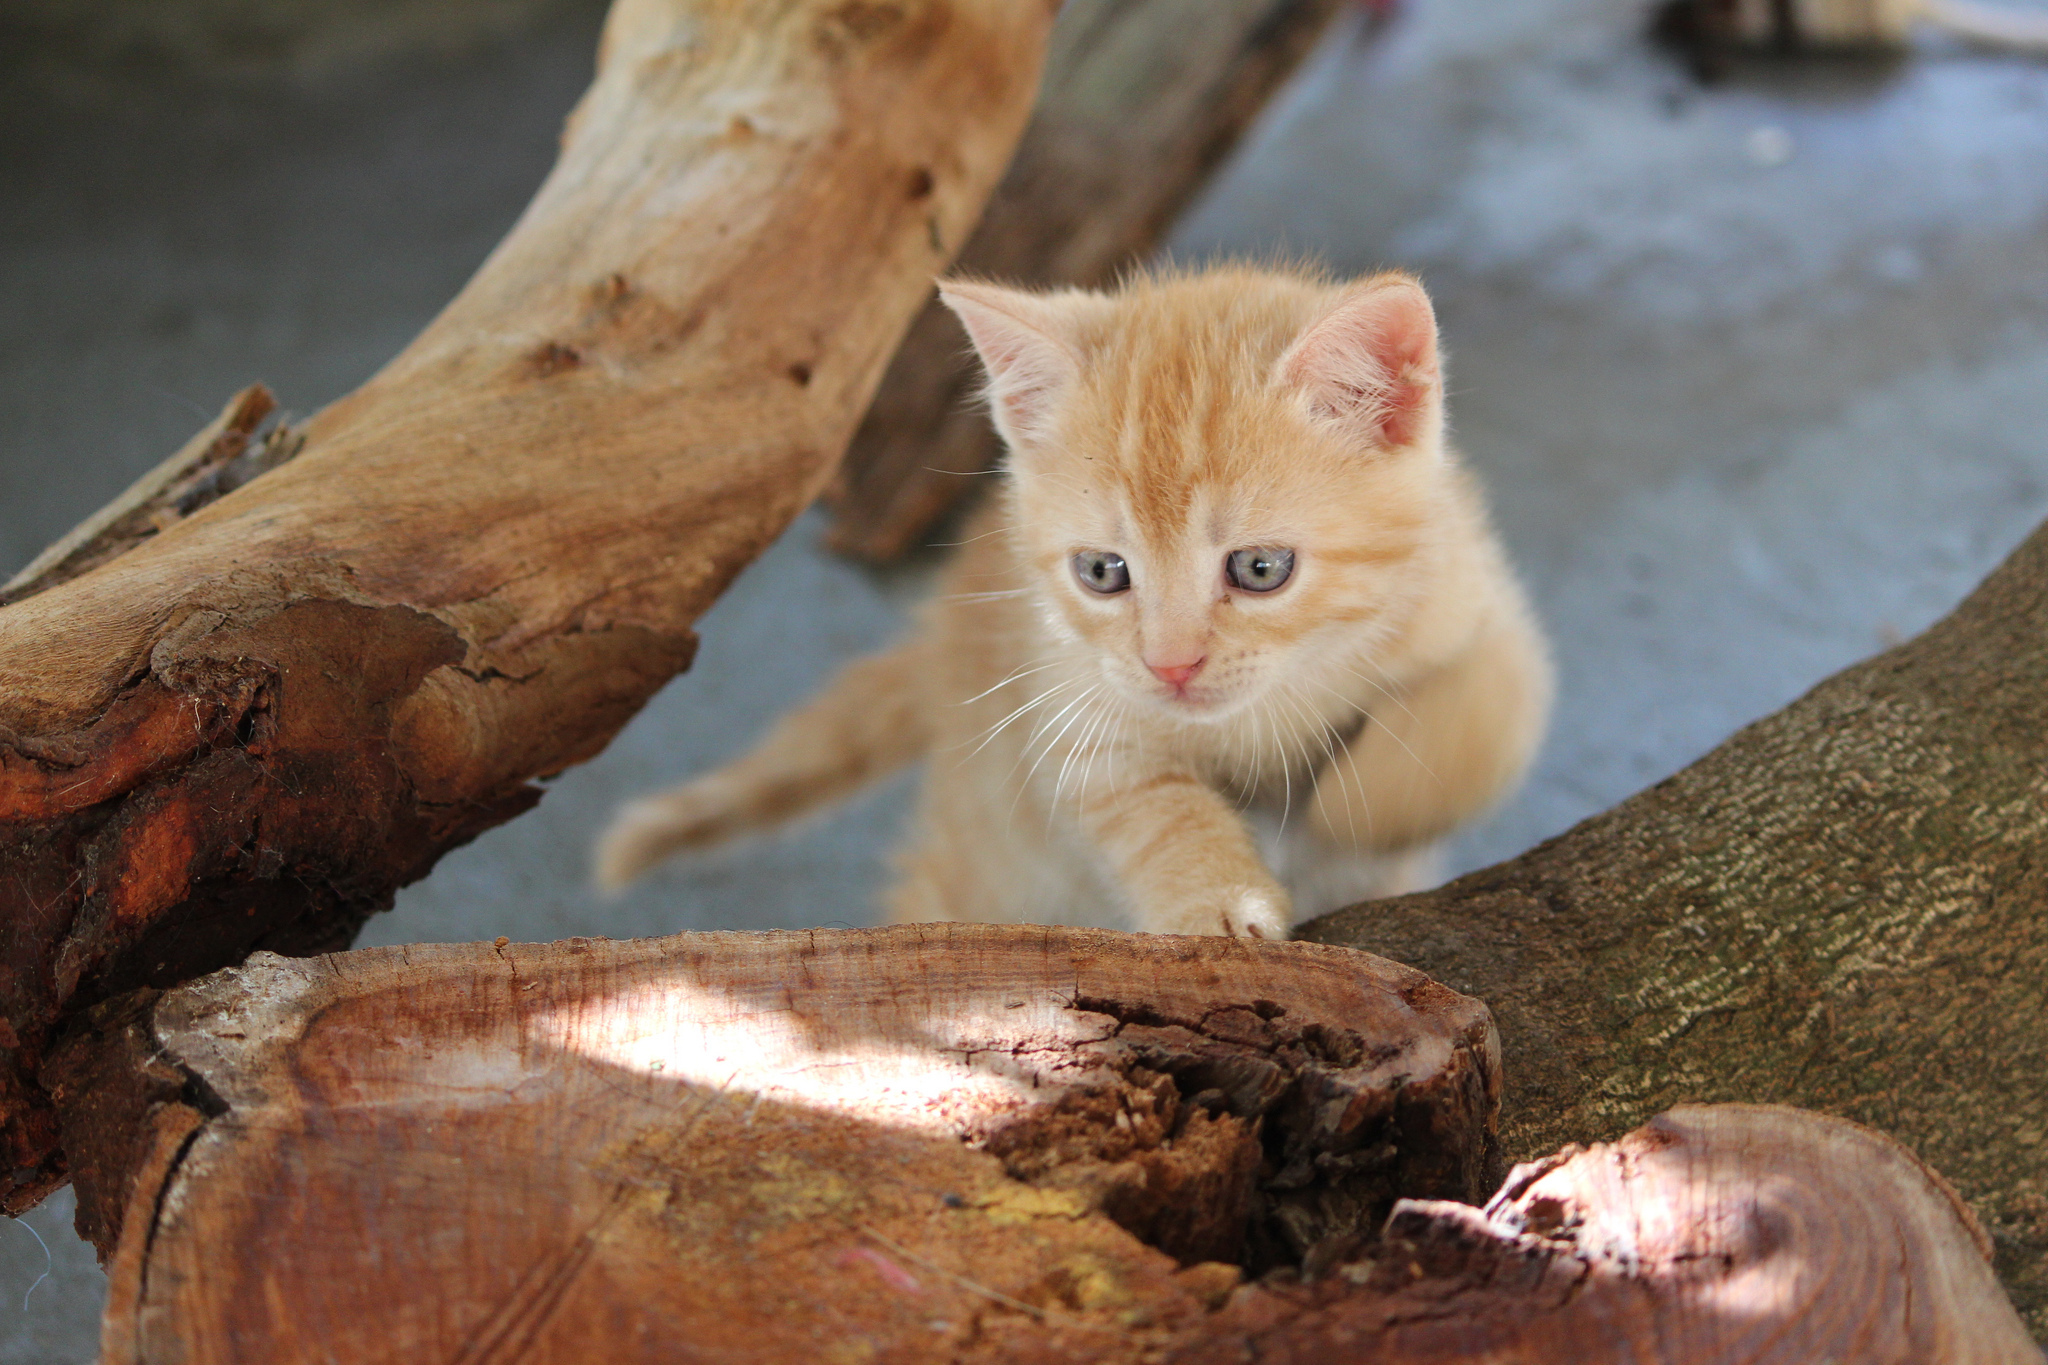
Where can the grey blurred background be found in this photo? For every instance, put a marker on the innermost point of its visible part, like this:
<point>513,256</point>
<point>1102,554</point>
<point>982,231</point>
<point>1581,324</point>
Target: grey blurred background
<point>1758,374</point>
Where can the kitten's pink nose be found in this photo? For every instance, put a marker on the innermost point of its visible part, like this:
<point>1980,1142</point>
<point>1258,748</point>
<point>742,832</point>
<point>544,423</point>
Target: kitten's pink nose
<point>1177,675</point>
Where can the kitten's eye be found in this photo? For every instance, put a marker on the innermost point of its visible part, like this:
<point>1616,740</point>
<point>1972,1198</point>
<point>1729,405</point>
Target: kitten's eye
<point>1258,570</point>
<point>1102,571</point>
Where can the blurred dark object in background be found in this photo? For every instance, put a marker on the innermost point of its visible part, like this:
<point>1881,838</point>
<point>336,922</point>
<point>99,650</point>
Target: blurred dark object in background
<point>1712,33</point>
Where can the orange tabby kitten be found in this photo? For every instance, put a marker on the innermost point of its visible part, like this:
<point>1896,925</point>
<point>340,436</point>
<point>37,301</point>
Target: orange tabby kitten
<point>1236,626</point>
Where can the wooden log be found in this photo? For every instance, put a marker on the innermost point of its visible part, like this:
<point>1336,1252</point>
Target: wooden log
<point>940,1138</point>
<point>959,1143</point>
<point>1713,1235</point>
<point>1142,100</point>
<point>1844,908</point>
<point>267,710</point>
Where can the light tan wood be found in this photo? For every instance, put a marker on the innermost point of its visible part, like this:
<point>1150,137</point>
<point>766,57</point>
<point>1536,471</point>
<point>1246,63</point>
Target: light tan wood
<point>249,728</point>
<point>920,1143</point>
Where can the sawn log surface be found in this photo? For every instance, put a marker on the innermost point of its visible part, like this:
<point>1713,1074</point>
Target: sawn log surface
<point>955,1143</point>
<point>951,1140</point>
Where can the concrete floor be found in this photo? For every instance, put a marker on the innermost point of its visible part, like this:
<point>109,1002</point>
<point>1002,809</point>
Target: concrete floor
<point>1758,376</point>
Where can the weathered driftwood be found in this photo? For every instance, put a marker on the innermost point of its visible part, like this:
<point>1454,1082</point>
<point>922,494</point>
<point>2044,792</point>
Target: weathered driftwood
<point>1142,99</point>
<point>752,1142</point>
<point>1844,907</point>
<point>259,719</point>
<point>946,1143</point>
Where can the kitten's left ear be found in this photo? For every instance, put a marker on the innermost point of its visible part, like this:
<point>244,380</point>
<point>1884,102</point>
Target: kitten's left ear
<point>1370,364</point>
<point>1022,341</point>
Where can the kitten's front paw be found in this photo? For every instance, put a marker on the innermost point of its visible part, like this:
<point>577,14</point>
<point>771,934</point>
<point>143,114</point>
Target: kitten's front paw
<point>1235,911</point>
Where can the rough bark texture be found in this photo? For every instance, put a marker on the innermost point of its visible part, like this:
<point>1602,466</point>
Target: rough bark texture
<point>1142,99</point>
<point>1845,907</point>
<point>957,1143</point>
<point>751,1144</point>
<point>267,710</point>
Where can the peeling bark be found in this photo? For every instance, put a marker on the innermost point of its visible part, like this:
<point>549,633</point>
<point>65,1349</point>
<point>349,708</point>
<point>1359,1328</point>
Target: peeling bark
<point>239,717</point>
<point>1844,907</point>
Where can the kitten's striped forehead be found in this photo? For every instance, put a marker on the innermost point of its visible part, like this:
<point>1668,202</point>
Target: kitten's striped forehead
<point>1177,396</point>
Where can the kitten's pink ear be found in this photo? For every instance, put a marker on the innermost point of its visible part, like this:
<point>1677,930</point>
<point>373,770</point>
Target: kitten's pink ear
<point>1021,340</point>
<point>1370,364</point>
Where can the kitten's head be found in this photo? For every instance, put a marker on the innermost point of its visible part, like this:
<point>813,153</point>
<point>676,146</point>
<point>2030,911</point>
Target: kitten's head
<point>1223,482</point>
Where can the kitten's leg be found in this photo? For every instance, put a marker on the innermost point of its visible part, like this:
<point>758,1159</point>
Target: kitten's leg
<point>1455,742</point>
<point>1186,859</point>
<point>866,722</point>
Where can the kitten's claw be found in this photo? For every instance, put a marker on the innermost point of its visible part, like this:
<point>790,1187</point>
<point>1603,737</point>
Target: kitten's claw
<point>1259,914</point>
<point>1262,912</point>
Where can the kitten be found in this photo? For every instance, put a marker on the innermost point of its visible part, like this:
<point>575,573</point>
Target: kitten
<point>1236,625</point>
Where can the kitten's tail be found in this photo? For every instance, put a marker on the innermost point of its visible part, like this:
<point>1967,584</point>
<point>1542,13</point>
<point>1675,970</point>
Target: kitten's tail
<point>865,723</point>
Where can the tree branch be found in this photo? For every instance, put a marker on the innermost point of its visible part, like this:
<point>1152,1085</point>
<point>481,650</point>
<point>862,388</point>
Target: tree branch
<point>248,726</point>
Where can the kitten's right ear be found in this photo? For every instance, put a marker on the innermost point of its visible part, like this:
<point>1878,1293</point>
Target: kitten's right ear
<point>1022,345</point>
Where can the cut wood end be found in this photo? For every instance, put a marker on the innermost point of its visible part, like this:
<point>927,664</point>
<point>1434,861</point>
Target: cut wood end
<point>1737,1233</point>
<point>966,1143</point>
<point>1006,1128</point>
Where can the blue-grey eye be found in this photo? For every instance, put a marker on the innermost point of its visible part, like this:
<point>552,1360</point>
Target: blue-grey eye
<point>1258,570</point>
<point>1102,571</point>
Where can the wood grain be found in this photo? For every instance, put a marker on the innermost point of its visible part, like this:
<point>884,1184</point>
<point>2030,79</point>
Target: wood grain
<point>248,726</point>
<point>1713,1235</point>
<point>959,1143</point>
<point>939,1140</point>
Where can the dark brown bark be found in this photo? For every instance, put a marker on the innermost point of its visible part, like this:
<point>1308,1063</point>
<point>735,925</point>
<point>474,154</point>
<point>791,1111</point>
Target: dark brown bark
<point>957,1143</point>
<point>1142,100</point>
<point>277,680</point>
<point>1844,907</point>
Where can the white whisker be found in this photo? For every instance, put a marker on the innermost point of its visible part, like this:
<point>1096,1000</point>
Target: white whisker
<point>1023,672</point>
<point>1049,744</point>
<point>1327,734</point>
<point>1390,733</point>
<point>1377,686</point>
<point>1003,724</point>
<point>1080,750</point>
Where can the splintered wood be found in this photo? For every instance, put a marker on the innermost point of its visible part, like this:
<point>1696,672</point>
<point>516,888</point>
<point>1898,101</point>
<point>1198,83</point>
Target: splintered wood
<point>938,1143</point>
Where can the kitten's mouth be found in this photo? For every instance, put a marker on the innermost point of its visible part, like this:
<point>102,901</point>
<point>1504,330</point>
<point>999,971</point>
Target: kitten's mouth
<point>1206,702</point>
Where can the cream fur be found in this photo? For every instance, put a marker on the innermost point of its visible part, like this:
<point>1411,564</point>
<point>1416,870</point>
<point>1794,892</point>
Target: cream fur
<point>1335,730</point>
